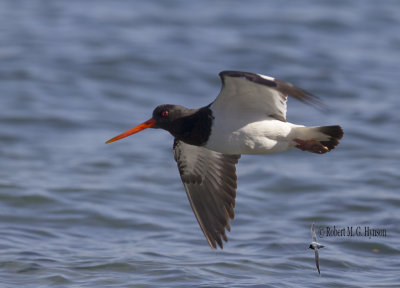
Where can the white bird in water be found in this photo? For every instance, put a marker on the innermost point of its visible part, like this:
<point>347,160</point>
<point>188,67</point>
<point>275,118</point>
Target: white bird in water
<point>247,117</point>
<point>315,246</point>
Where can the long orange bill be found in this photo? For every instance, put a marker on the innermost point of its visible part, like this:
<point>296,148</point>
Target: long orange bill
<point>148,124</point>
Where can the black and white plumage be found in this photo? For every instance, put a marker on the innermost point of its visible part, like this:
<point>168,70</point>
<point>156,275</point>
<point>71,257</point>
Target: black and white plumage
<point>209,178</point>
<point>315,246</point>
<point>247,117</point>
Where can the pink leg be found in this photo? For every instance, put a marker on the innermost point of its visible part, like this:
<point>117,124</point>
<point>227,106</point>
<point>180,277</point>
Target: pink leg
<point>313,146</point>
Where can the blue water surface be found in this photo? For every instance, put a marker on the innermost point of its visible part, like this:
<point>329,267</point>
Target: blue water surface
<point>75,212</point>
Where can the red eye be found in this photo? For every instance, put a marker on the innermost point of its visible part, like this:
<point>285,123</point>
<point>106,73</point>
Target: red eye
<point>164,113</point>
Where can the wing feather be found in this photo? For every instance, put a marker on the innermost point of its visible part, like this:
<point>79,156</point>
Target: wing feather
<point>317,260</point>
<point>258,94</point>
<point>314,236</point>
<point>209,179</point>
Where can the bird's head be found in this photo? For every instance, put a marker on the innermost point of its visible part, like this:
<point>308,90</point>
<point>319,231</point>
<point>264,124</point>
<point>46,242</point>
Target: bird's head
<point>164,117</point>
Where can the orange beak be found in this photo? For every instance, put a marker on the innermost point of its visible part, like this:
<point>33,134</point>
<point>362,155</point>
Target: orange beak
<point>148,124</point>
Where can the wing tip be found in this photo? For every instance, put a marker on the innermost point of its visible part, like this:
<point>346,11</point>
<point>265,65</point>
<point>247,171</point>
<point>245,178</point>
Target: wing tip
<point>299,94</point>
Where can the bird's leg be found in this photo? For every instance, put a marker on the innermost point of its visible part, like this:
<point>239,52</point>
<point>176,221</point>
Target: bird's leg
<point>313,146</point>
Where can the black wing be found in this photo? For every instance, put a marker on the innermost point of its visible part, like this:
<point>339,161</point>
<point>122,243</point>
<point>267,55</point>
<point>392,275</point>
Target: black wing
<point>209,178</point>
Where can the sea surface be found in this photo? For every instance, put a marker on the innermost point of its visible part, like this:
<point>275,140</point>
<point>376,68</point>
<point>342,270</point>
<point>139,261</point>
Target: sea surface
<point>75,212</point>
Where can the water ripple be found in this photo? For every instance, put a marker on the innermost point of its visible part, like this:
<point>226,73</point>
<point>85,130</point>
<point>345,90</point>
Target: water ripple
<point>78,213</point>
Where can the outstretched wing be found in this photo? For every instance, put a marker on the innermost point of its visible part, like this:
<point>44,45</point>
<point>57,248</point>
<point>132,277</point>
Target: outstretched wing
<point>317,260</point>
<point>209,178</point>
<point>314,236</point>
<point>258,94</point>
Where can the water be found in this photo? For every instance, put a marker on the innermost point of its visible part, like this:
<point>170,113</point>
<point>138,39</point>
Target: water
<point>75,212</point>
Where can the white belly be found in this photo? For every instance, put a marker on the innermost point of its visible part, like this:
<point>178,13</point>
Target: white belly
<point>262,137</point>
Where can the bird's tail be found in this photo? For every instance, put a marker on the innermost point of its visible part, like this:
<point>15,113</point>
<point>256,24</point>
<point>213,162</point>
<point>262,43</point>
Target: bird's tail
<point>319,139</point>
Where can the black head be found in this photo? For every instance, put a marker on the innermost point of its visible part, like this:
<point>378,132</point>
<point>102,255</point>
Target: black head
<point>311,247</point>
<point>172,118</point>
<point>166,116</point>
<point>189,125</point>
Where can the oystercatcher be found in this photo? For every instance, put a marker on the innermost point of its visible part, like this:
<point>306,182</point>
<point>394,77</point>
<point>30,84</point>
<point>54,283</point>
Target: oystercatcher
<point>247,117</point>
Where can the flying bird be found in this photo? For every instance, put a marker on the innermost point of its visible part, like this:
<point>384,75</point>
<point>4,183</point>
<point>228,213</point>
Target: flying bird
<point>247,117</point>
<point>315,246</point>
